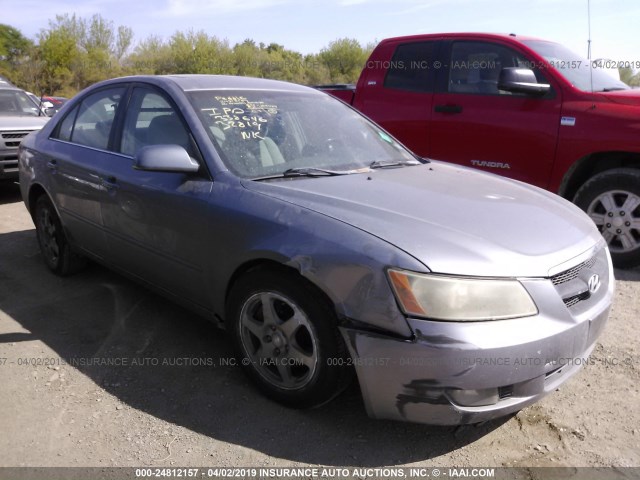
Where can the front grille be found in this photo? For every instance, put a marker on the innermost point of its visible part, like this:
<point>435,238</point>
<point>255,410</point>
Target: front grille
<point>505,392</point>
<point>15,135</point>
<point>571,301</point>
<point>11,140</point>
<point>572,273</point>
<point>573,284</point>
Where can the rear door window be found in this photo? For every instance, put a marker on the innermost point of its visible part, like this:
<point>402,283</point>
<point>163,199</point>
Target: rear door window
<point>412,67</point>
<point>91,122</point>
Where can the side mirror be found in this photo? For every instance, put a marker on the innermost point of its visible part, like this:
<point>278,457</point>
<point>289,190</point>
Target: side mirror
<point>50,112</point>
<point>521,80</point>
<point>164,158</point>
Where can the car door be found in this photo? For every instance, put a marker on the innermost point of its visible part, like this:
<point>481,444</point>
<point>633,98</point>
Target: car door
<point>156,222</point>
<point>476,124</point>
<point>79,159</point>
<point>401,103</point>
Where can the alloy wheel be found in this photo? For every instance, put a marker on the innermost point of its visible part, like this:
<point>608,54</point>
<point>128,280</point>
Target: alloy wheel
<point>617,215</point>
<point>279,340</point>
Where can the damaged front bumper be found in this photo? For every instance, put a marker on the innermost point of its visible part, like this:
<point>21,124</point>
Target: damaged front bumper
<point>453,373</point>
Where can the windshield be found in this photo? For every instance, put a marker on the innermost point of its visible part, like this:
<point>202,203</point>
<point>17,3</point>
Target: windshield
<point>17,103</point>
<point>575,68</point>
<point>275,133</point>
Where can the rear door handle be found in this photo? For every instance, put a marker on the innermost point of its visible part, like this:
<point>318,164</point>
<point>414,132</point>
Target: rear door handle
<point>448,108</point>
<point>52,164</point>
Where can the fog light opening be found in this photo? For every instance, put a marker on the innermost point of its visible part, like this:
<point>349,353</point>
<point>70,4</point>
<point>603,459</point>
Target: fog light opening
<point>474,398</point>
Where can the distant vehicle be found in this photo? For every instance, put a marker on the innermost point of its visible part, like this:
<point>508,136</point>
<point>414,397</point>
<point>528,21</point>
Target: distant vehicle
<point>521,107</point>
<point>4,81</point>
<point>321,244</point>
<point>19,116</point>
<point>40,101</point>
<point>56,102</point>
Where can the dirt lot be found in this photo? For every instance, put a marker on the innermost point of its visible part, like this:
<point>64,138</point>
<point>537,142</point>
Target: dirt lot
<point>148,414</point>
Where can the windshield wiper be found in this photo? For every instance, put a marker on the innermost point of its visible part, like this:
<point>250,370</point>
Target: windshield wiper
<point>311,172</point>
<point>612,89</point>
<point>304,172</point>
<point>393,163</point>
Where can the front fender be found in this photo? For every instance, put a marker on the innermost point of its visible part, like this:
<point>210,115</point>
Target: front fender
<point>346,263</point>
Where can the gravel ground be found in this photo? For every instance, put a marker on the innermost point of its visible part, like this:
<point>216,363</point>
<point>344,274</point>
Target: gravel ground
<point>158,408</point>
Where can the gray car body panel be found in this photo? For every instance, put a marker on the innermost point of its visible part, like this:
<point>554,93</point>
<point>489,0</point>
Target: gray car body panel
<point>188,236</point>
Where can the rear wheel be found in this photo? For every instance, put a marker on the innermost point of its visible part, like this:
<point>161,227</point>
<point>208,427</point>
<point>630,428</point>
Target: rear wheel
<point>55,247</point>
<point>612,200</point>
<point>286,338</point>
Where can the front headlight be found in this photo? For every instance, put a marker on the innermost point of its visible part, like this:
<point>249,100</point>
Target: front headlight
<point>441,297</point>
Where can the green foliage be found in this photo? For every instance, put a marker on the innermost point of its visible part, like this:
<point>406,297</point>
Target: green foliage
<point>13,47</point>
<point>13,44</point>
<point>344,58</point>
<point>629,77</point>
<point>75,52</point>
<point>58,54</point>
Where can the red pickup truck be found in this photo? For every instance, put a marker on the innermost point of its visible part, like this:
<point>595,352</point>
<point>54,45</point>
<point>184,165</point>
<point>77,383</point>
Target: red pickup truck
<point>521,107</point>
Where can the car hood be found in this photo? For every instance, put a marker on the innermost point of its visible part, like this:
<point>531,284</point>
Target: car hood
<point>10,122</point>
<point>454,220</point>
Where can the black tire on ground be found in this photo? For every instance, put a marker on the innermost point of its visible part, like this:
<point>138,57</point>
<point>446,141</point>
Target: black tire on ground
<point>55,248</point>
<point>612,200</point>
<point>286,338</point>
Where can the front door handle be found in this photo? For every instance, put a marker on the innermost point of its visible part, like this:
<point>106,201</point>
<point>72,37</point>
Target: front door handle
<point>448,108</point>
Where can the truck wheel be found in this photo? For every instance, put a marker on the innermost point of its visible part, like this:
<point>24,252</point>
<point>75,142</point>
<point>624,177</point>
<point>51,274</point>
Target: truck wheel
<point>612,200</point>
<point>55,247</point>
<point>286,338</point>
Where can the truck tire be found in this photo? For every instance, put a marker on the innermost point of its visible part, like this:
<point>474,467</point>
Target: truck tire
<point>276,318</point>
<point>612,200</point>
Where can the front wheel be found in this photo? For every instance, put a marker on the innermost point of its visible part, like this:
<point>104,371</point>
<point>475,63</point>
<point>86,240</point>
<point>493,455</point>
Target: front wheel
<point>286,338</point>
<point>612,200</point>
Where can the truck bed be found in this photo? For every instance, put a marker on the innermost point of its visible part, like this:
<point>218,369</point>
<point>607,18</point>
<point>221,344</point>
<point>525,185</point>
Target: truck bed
<point>343,91</point>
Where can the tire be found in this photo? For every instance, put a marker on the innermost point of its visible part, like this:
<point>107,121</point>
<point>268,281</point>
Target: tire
<point>286,338</point>
<point>54,246</point>
<point>612,200</point>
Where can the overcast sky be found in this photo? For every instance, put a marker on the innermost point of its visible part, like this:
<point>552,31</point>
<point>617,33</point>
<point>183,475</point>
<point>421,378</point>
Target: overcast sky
<point>308,25</point>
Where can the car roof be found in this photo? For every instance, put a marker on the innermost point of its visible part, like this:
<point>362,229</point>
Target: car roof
<point>8,86</point>
<point>465,35</point>
<point>213,82</point>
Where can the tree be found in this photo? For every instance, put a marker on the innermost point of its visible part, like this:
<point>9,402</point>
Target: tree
<point>247,59</point>
<point>76,52</point>
<point>345,59</point>
<point>628,76</point>
<point>123,41</point>
<point>13,45</point>
<point>196,52</point>
<point>14,49</point>
<point>152,56</point>
<point>57,53</point>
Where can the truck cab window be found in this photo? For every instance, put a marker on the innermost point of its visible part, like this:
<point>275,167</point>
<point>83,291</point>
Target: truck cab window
<point>411,67</point>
